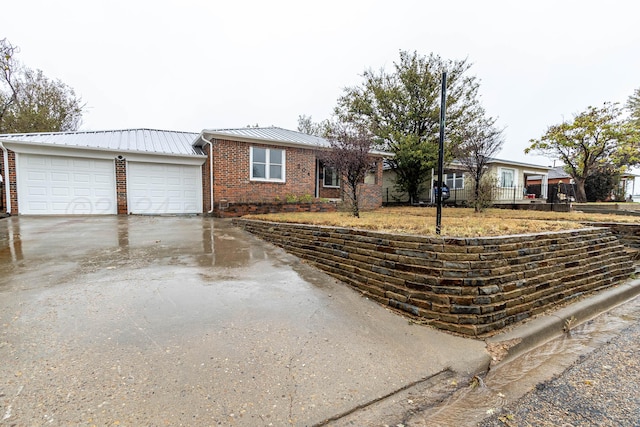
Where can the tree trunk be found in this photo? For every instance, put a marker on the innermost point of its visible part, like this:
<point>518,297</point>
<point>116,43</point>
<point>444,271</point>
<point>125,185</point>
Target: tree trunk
<point>581,195</point>
<point>355,209</point>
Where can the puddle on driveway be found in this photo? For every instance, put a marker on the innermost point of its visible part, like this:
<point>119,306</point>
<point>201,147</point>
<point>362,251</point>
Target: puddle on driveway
<point>509,381</point>
<point>190,321</point>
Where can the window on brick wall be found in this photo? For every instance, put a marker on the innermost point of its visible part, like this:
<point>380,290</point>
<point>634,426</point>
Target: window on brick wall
<point>331,178</point>
<point>267,164</point>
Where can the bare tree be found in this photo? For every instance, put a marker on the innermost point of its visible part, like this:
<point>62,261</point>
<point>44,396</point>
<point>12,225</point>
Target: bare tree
<point>350,157</point>
<point>8,67</point>
<point>481,141</point>
<point>308,126</point>
<point>30,101</point>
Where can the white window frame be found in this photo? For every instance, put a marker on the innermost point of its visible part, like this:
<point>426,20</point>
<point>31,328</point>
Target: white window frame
<point>514,182</point>
<point>455,177</point>
<point>268,165</point>
<point>324,177</point>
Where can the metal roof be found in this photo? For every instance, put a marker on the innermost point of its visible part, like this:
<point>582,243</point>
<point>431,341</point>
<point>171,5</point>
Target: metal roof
<point>516,163</point>
<point>138,140</point>
<point>274,135</point>
<point>269,134</point>
<point>558,172</point>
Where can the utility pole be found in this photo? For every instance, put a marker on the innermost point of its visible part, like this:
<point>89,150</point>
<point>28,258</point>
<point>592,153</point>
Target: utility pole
<point>443,105</point>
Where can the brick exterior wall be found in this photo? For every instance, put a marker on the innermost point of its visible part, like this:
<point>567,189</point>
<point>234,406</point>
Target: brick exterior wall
<point>234,192</point>
<point>206,181</point>
<point>121,186</point>
<point>12,185</point>
<point>231,174</point>
<point>470,286</point>
<point>3,193</point>
<point>329,192</point>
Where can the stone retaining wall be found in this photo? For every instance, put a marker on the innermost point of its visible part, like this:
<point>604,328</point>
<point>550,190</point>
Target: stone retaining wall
<point>628,234</point>
<point>471,286</point>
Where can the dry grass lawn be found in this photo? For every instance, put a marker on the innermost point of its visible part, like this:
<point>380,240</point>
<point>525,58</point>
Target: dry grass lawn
<point>456,222</point>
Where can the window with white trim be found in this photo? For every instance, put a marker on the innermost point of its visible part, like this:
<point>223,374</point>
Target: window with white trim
<point>267,164</point>
<point>331,178</point>
<point>455,180</point>
<point>507,178</point>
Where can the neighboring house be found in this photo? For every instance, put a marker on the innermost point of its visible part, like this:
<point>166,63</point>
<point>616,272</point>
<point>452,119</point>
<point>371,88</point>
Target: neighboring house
<point>510,177</point>
<point>144,171</point>
<point>557,175</point>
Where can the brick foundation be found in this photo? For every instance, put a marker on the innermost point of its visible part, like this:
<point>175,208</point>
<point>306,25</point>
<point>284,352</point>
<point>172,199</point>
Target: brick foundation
<point>233,210</point>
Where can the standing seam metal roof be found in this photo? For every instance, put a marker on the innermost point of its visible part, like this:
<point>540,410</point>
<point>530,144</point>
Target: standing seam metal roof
<point>274,134</point>
<point>139,140</point>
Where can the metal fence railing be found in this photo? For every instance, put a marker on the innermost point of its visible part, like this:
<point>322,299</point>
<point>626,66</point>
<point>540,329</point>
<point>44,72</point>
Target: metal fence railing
<point>554,193</point>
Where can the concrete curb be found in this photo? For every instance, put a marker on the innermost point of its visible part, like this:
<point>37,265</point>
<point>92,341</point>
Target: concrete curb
<point>542,329</point>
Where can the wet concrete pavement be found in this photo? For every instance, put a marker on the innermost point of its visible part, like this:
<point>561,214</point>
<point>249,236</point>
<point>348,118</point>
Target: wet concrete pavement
<point>601,387</point>
<point>190,321</point>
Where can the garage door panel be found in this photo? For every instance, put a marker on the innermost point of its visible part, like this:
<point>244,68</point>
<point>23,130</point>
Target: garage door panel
<point>58,177</point>
<point>155,188</point>
<point>102,179</point>
<point>56,191</point>
<point>37,191</point>
<point>65,185</point>
<point>35,161</point>
<point>60,162</point>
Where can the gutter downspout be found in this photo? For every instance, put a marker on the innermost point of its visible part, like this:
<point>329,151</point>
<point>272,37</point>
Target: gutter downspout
<point>7,186</point>
<point>210,170</point>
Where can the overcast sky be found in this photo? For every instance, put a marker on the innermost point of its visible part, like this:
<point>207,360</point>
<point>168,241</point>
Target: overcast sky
<point>190,65</point>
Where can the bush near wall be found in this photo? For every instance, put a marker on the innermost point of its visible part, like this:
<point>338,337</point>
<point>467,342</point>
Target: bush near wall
<point>471,286</point>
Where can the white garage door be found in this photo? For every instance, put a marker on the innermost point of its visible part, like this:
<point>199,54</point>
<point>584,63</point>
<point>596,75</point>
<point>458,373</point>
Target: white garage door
<point>56,185</point>
<point>159,188</point>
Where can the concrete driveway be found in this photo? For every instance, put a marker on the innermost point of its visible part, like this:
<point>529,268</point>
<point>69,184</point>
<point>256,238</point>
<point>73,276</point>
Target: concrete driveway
<point>189,321</point>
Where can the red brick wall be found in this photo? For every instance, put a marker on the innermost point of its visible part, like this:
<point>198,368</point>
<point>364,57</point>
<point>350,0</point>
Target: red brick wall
<point>3,193</point>
<point>329,193</point>
<point>12,185</point>
<point>121,186</point>
<point>231,181</point>
<point>206,182</point>
<point>371,194</point>
<point>232,184</point>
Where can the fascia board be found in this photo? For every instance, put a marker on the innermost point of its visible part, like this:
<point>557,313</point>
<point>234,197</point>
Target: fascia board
<point>97,153</point>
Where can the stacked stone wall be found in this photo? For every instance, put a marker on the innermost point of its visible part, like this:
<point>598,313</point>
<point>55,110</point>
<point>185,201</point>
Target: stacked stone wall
<point>471,286</point>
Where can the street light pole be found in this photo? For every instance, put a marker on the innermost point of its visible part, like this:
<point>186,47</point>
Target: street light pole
<point>443,104</point>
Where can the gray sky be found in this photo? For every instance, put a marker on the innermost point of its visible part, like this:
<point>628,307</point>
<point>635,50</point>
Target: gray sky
<point>189,65</point>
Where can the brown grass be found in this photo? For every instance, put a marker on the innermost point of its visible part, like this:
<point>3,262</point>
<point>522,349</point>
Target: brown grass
<point>456,222</point>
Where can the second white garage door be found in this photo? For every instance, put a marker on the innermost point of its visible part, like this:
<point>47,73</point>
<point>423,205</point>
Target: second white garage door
<point>159,188</point>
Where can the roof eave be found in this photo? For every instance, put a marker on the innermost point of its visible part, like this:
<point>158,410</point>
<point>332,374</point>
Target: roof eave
<point>100,149</point>
<point>257,140</point>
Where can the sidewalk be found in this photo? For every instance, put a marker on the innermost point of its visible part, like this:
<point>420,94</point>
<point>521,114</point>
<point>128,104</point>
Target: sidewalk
<point>448,399</point>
